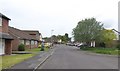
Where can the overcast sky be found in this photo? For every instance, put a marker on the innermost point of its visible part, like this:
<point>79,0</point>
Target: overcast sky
<point>58,15</point>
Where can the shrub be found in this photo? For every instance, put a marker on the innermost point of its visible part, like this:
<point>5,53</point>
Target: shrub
<point>47,46</point>
<point>118,46</point>
<point>39,46</point>
<point>102,44</point>
<point>21,47</point>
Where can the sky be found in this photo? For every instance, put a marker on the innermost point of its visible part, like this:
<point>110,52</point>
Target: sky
<point>61,16</point>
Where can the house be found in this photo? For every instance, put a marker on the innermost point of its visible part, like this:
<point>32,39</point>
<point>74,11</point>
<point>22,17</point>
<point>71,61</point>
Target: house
<point>11,38</point>
<point>36,36</point>
<point>19,37</point>
<point>5,37</point>
<point>30,39</point>
<point>117,33</point>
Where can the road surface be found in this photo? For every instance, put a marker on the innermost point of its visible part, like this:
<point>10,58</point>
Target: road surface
<point>70,57</point>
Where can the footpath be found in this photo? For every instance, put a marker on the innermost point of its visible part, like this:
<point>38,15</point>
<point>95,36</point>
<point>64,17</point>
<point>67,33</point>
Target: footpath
<point>34,62</point>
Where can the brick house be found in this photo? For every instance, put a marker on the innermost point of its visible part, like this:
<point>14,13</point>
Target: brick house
<point>11,37</point>
<point>5,37</point>
<point>36,36</point>
<point>29,39</point>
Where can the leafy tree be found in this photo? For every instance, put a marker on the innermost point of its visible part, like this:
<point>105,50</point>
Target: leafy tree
<point>66,38</point>
<point>108,36</point>
<point>87,30</point>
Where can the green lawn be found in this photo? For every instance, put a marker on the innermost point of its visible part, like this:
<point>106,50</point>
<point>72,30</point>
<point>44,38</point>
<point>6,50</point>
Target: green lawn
<point>10,60</point>
<point>110,51</point>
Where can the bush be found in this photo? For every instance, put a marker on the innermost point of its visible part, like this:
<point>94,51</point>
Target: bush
<point>118,46</point>
<point>21,47</point>
<point>47,47</point>
<point>102,44</point>
<point>39,46</point>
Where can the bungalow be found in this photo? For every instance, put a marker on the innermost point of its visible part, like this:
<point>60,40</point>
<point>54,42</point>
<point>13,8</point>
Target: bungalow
<point>5,37</point>
<point>36,36</point>
<point>29,38</point>
<point>11,38</point>
<point>19,37</point>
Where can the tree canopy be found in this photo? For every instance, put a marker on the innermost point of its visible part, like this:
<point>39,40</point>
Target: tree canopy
<point>87,30</point>
<point>108,36</point>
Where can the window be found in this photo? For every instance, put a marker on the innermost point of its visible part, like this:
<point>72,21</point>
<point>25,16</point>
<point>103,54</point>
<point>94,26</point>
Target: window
<point>32,42</point>
<point>22,41</point>
<point>27,42</point>
<point>35,42</point>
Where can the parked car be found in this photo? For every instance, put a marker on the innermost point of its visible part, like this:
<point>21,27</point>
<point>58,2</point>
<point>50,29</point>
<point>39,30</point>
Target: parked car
<point>70,44</point>
<point>82,45</point>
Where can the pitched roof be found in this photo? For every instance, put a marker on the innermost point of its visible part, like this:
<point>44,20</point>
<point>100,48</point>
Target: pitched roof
<point>116,31</point>
<point>5,36</point>
<point>18,33</point>
<point>34,33</point>
<point>3,16</point>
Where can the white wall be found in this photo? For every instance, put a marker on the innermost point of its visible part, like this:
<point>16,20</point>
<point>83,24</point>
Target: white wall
<point>2,46</point>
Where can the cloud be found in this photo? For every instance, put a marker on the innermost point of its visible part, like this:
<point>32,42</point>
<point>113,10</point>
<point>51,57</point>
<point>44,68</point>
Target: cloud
<point>60,15</point>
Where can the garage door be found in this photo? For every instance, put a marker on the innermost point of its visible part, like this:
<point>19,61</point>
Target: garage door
<point>2,46</point>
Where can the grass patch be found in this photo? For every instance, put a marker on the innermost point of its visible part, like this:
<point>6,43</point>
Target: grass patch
<point>10,60</point>
<point>110,51</point>
<point>36,50</point>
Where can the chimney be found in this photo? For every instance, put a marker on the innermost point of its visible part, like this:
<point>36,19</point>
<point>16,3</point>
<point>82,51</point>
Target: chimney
<point>4,23</point>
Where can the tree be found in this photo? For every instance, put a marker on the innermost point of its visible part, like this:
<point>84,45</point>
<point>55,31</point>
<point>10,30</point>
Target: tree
<point>87,30</point>
<point>108,36</point>
<point>66,37</point>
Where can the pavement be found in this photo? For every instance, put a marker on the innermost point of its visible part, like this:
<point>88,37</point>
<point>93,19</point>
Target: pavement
<point>70,57</point>
<point>34,62</point>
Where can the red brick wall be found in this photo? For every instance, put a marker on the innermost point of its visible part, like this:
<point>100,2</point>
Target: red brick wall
<point>5,25</point>
<point>15,44</point>
<point>8,47</point>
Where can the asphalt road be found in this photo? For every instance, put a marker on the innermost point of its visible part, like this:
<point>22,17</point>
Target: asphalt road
<point>70,57</point>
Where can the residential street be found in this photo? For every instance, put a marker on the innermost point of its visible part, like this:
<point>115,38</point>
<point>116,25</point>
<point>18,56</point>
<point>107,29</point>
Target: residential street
<point>70,57</point>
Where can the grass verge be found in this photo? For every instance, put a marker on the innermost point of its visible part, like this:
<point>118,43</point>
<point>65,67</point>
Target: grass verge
<point>110,51</point>
<point>10,60</point>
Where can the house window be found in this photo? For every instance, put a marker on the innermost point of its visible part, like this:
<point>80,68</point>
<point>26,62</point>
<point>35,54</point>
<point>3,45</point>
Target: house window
<point>22,41</point>
<point>35,42</point>
<point>27,42</point>
<point>32,42</point>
